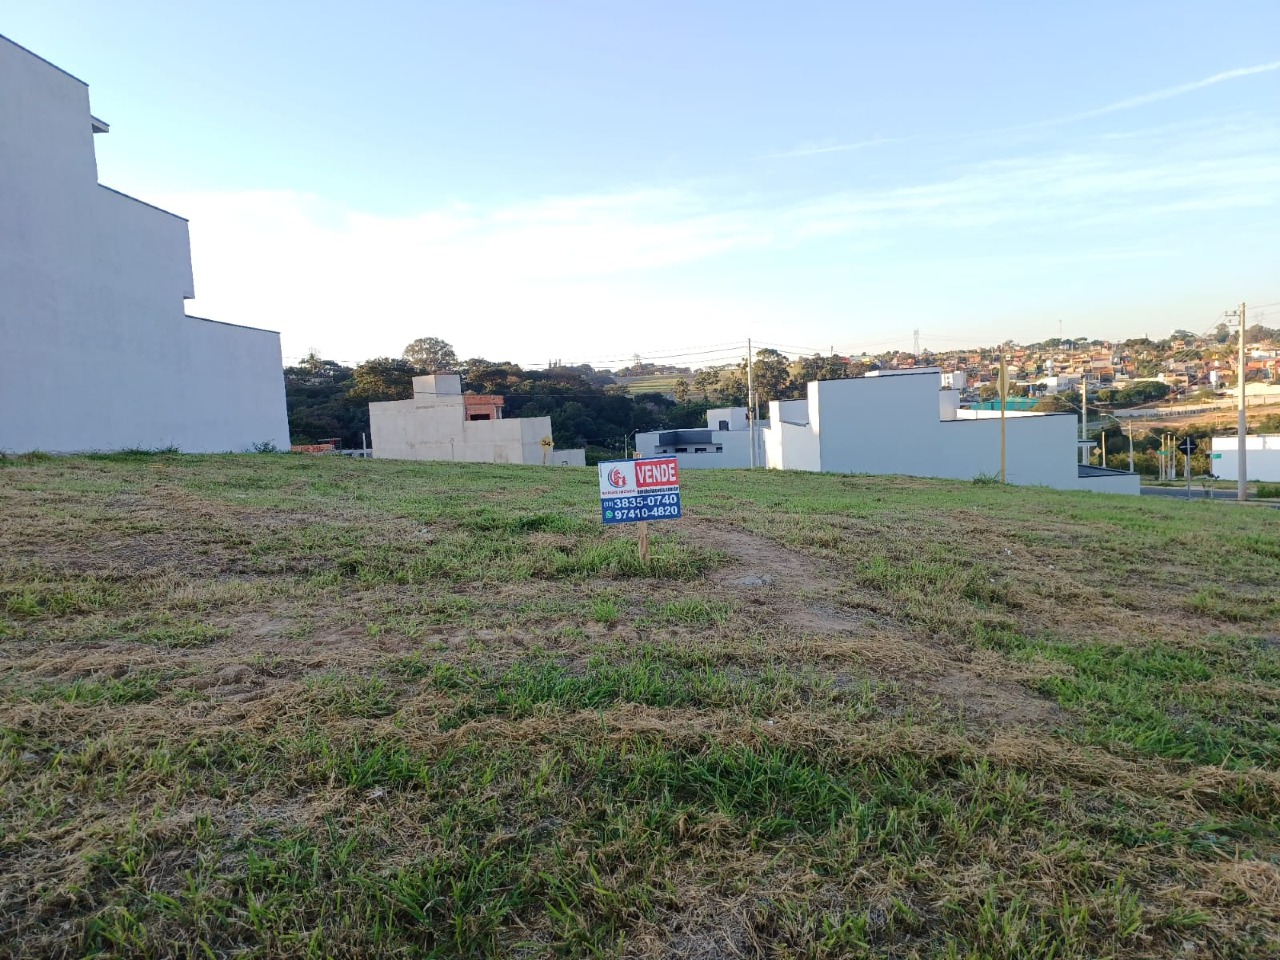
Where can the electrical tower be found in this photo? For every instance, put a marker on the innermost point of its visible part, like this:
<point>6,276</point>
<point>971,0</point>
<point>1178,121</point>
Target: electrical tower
<point>916,336</point>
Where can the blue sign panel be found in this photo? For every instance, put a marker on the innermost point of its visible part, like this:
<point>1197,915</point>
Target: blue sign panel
<point>654,506</point>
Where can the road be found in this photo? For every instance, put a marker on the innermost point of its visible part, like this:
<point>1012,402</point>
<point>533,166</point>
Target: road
<point>1198,493</point>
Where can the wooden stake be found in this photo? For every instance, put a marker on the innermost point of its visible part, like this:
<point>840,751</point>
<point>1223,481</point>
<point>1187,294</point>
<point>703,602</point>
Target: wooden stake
<point>642,528</point>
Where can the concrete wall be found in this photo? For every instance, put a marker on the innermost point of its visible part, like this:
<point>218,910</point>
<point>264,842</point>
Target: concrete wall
<point>413,430</point>
<point>97,351</point>
<point>1262,453</point>
<point>735,417</point>
<point>894,425</point>
<point>1126,483</point>
<point>433,426</point>
<point>724,449</point>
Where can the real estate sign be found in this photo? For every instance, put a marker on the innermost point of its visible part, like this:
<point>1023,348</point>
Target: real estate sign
<point>634,491</point>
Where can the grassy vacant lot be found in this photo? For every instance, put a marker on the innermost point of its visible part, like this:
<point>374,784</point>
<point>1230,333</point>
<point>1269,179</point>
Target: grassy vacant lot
<point>656,383</point>
<point>275,705</point>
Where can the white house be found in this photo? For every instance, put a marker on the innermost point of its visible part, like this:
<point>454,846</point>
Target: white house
<point>725,443</point>
<point>440,422</point>
<point>96,350</point>
<point>1262,457</point>
<point>901,422</point>
<point>1054,384</point>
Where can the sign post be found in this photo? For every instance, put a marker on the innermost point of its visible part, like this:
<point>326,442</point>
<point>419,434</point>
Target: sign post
<point>1188,447</point>
<point>637,491</point>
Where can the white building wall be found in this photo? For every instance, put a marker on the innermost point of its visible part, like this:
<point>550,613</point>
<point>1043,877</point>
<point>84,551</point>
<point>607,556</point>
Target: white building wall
<point>893,425</point>
<point>1125,483</point>
<point>735,417</point>
<point>724,449</point>
<point>1262,453</point>
<point>98,353</point>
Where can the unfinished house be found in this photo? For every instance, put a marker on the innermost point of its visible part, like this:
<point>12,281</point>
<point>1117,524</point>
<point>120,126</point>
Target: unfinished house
<point>440,422</point>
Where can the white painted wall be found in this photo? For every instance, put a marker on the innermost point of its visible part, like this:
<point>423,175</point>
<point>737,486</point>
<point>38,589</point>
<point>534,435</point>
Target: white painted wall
<point>1126,483</point>
<point>735,417</point>
<point>1054,385</point>
<point>97,351</point>
<point>433,426</point>
<point>724,449</point>
<point>1262,455</point>
<point>893,424</point>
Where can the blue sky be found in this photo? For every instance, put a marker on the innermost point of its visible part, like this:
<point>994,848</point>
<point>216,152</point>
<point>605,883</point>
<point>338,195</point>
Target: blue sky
<point>586,181</point>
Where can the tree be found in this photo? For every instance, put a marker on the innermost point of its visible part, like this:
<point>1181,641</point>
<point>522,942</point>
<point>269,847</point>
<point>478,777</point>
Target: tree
<point>484,376</point>
<point>819,367</point>
<point>772,378</point>
<point>681,390</point>
<point>431,355</point>
<point>383,378</point>
<point>706,382</point>
<point>316,394</point>
<point>1144,391</point>
<point>1058,403</point>
<point>731,387</point>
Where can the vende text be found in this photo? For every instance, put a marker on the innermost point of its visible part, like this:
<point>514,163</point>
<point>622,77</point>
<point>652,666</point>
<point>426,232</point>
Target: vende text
<point>661,473</point>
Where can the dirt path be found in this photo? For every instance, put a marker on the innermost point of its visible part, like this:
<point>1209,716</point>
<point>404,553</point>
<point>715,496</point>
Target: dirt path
<point>838,620</point>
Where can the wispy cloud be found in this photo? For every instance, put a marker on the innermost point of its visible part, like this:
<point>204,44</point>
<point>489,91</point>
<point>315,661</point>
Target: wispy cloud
<point>816,149</point>
<point>1155,96</point>
<point>512,279</point>
<point>1169,93</point>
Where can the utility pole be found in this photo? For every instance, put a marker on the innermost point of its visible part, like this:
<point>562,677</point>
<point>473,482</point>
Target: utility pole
<point>1084,408</point>
<point>1102,440</point>
<point>751,404</point>
<point>1130,431</point>
<point>1242,424</point>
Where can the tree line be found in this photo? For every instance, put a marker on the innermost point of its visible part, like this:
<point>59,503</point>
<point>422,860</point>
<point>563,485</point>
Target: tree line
<point>588,408</point>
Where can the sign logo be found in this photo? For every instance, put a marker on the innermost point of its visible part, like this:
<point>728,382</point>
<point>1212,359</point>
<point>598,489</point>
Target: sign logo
<point>617,478</point>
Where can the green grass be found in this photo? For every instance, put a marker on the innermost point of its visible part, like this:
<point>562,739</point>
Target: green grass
<point>260,706</point>
<point>656,383</point>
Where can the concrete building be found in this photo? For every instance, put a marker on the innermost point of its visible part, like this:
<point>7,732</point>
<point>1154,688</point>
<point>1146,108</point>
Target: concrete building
<point>1053,385</point>
<point>96,350</point>
<point>440,422</point>
<point>901,422</point>
<point>725,443</point>
<point>1262,457</point>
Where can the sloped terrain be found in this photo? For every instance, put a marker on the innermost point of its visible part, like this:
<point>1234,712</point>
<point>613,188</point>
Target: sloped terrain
<point>278,706</point>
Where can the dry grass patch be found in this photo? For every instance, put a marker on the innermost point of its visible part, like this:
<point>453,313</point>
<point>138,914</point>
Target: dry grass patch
<point>275,706</point>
